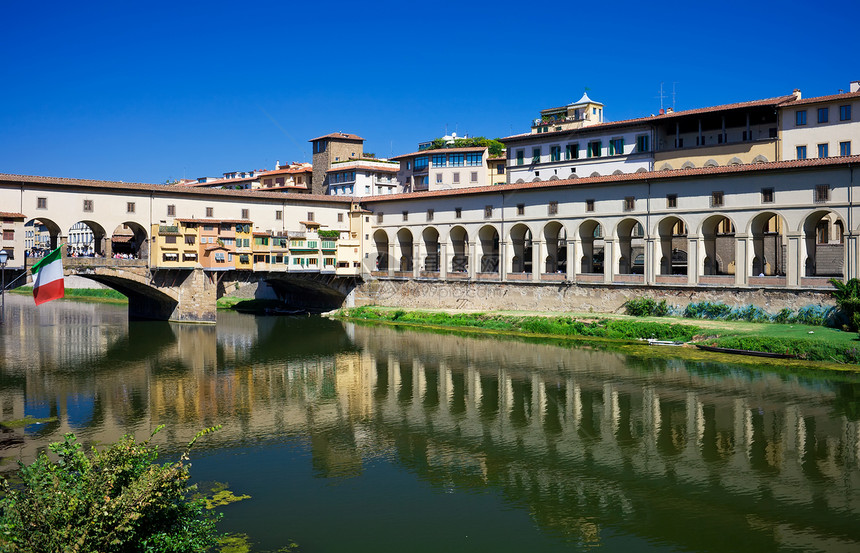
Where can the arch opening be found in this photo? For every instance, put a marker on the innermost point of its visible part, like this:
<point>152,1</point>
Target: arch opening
<point>824,238</point>
<point>769,245</point>
<point>673,246</point>
<point>488,238</point>
<point>459,241</point>
<point>718,233</point>
<point>129,241</point>
<point>521,242</point>
<point>555,238</point>
<point>593,246</point>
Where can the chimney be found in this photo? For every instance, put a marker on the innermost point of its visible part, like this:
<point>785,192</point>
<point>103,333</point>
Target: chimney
<point>277,164</point>
<point>855,86</point>
<point>669,110</point>
<point>796,94</point>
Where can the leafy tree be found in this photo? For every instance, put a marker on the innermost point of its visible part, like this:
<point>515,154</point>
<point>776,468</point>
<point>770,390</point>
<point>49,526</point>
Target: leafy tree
<point>495,147</point>
<point>847,296</point>
<point>115,500</point>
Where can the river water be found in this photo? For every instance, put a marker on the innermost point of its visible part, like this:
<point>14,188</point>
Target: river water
<point>375,438</point>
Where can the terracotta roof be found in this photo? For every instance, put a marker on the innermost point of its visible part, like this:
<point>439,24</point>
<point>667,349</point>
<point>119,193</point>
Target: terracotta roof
<point>215,247</point>
<point>255,233</point>
<point>779,100</point>
<point>341,135</point>
<point>10,215</point>
<point>443,150</point>
<point>216,221</point>
<point>829,98</point>
<point>308,169</point>
<point>310,223</point>
<point>346,167</point>
<point>218,182</point>
<point>622,179</point>
<point>178,190</point>
<point>284,188</point>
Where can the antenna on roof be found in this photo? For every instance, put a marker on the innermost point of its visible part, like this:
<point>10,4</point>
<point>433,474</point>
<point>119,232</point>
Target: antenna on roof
<point>661,96</point>
<point>673,95</point>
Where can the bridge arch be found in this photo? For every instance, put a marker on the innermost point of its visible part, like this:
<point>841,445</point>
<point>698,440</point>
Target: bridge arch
<point>555,239</point>
<point>631,244</point>
<point>405,250</point>
<point>130,239</point>
<point>432,249</point>
<point>380,243</point>
<point>592,244</point>
<point>823,244</point>
<point>458,245</point>
<point>521,239</point>
<point>41,235</point>
<point>767,232</point>
<point>86,238</point>
<point>718,236</point>
<point>672,232</point>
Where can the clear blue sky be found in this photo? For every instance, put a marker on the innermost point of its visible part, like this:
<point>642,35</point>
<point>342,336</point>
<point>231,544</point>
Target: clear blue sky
<point>161,90</point>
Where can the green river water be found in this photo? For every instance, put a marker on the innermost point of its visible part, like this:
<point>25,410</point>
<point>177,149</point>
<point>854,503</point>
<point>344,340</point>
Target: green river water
<point>360,438</point>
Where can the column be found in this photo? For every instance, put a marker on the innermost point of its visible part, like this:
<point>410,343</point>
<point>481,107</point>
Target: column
<point>795,266</point>
<point>443,260</point>
<point>538,247</point>
<point>472,249</point>
<point>651,260</point>
<point>695,258</point>
<point>743,260</point>
<point>572,259</point>
<point>502,256</point>
<point>417,260</point>
<point>392,260</point>
<point>509,258</point>
<point>849,261</point>
<point>610,249</point>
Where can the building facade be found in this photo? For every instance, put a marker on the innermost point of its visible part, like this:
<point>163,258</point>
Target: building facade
<point>329,149</point>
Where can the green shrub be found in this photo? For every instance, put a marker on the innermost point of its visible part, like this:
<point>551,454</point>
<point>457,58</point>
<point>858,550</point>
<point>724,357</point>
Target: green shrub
<point>847,296</point>
<point>707,310</point>
<point>647,307</point>
<point>115,500</point>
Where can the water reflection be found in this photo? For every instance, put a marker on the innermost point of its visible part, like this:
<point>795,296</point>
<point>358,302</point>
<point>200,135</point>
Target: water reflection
<point>592,444</point>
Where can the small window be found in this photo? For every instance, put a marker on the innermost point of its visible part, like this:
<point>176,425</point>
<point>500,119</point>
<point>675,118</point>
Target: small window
<point>801,152</point>
<point>616,146</point>
<point>845,148</point>
<point>429,214</point>
<point>555,153</point>
<point>552,208</point>
<point>629,203</point>
<point>571,151</point>
<point>521,157</point>
<point>823,115</point>
<point>41,203</point>
<point>170,239</point>
<point>671,201</point>
<point>129,207</point>
<point>438,178</point>
<point>589,205</point>
<point>716,199</point>
<point>310,216</point>
<point>521,209</point>
<point>488,211</point>
<point>594,148</point>
<point>379,217</point>
<point>767,195</point>
<point>473,177</point>
<point>822,193</point>
<point>535,155</point>
<point>210,212</point>
<point>88,205</point>
<point>845,113</point>
<point>405,215</point>
<point>340,217</point>
<point>456,177</point>
<point>458,212</point>
<point>822,150</point>
<point>500,169</point>
<point>642,143</point>
<point>279,215</point>
<point>171,210</point>
<point>245,214</point>
<point>800,117</point>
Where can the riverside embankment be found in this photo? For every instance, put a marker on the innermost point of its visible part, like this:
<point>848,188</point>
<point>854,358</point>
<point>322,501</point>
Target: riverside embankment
<point>812,346</point>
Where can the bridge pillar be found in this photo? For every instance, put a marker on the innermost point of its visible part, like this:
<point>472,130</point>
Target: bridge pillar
<point>695,258</point>
<point>795,262</point>
<point>443,260</point>
<point>538,248</point>
<point>743,258</point>
<point>197,295</point>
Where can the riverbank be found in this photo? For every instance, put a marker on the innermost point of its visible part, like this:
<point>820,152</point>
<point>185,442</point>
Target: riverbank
<point>98,295</point>
<point>816,344</point>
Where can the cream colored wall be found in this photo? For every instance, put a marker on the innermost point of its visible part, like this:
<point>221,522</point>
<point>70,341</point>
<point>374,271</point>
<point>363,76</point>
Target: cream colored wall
<point>722,154</point>
<point>813,133</point>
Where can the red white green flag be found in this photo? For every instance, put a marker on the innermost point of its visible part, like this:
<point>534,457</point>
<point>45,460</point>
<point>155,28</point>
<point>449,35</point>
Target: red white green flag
<point>48,277</point>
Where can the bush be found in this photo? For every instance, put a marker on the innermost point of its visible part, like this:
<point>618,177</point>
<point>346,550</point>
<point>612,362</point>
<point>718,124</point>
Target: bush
<point>115,500</point>
<point>847,296</point>
<point>647,307</point>
<point>707,310</point>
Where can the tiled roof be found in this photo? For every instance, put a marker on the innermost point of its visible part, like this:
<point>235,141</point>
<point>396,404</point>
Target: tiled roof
<point>650,119</point>
<point>443,150</point>
<point>11,215</point>
<point>341,135</point>
<point>177,190</point>
<point>307,169</point>
<point>216,221</point>
<point>219,182</point>
<point>625,178</point>
<point>310,223</point>
<point>829,98</point>
<point>348,166</point>
<point>284,187</point>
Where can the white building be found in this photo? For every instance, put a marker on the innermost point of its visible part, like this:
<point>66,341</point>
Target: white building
<point>362,177</point>
<point>443,169</point>
<point>820,127</point>
<point>573,141</point>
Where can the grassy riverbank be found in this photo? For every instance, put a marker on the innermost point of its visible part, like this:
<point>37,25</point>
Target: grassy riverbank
<point>100,295</point>
<point>808,343</point>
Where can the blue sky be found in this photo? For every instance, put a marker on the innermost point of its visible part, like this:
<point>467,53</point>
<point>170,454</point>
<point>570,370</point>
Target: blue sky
<point>153,91</point>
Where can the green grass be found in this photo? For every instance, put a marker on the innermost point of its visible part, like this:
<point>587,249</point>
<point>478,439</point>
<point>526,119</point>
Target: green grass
<point>808,343</point>
<point>102,295</point>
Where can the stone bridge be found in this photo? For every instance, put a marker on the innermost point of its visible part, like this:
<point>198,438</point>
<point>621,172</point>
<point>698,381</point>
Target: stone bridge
<point>189,295</point>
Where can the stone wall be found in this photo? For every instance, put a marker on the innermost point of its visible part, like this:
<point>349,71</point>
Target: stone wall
<point>597,298</point>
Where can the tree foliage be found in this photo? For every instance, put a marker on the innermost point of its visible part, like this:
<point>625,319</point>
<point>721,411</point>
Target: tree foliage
<point>495,147</point>
<point>115,500</point>
<point>847,296</point>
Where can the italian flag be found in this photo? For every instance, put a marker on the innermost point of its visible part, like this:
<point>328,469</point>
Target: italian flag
<point>48,278</point>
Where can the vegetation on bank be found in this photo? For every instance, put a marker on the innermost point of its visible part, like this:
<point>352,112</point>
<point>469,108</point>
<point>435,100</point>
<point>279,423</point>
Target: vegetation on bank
<point>102,295</point>
<point>809,343</point>
<point>815,315</point>
<point>115,500</point>
<point>598,327</point>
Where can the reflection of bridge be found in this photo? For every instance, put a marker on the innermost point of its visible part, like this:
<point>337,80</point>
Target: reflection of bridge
<point>585,439</point>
